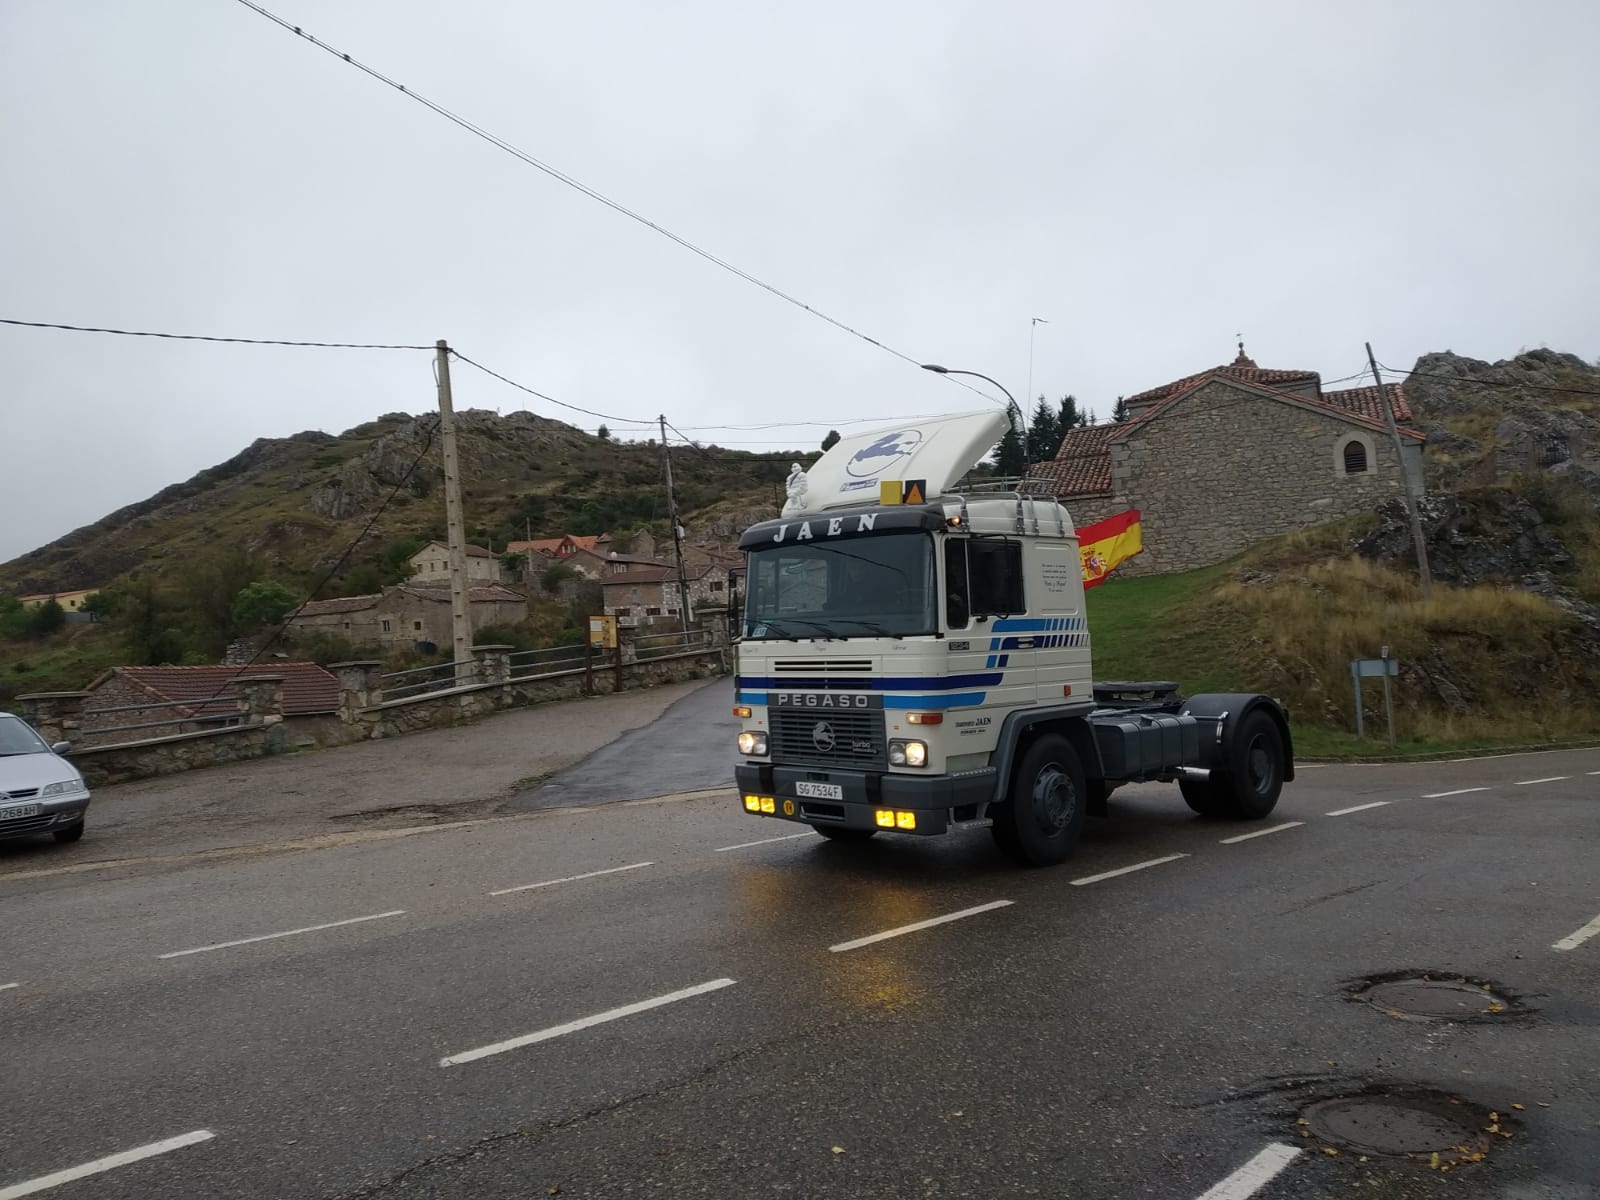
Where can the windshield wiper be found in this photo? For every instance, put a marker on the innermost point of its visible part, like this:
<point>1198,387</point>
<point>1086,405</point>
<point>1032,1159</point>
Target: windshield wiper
<point>872,627</point>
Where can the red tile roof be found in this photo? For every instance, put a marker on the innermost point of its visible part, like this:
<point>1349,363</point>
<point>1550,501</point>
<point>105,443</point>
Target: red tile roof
<point>648,575</point>
<point>1365,401</point>
<point>1082,467</point>
<point>307,688</point>
<point>339,604</point>
<point>1262,375</point>
<point>581,541</point>
<point>483,593</point>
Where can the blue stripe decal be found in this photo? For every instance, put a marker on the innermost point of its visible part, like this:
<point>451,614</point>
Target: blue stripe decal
<point>951,700</point>
<point>752,697</point>
<point>878,683</point>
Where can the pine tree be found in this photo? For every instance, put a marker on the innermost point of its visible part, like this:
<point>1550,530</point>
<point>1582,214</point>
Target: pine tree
<point>1044,433</point>
<point>604,434</point>
<point>1011,456</point>
<point>1072,417</point>
<point>1119,414</point>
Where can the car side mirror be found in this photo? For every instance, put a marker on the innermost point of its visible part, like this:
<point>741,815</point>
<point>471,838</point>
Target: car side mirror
<point>61,747</point>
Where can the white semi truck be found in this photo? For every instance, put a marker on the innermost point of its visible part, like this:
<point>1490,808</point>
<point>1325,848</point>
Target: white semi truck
<point>915,659</point>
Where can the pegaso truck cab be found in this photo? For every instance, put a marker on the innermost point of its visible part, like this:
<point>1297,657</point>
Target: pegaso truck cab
<point>915,660</point>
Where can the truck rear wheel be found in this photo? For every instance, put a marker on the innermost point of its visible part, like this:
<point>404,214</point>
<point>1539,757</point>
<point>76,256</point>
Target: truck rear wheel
<point>1039,823</point>
<point>1249,785</point>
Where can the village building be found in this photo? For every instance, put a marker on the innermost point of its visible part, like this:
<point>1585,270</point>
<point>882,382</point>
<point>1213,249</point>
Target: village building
<point>1218,461</point>
<point>431,565</point>
<point>406,615</point>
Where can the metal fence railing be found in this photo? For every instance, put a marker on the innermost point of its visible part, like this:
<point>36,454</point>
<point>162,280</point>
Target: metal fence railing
<point>419,681</point>
<point>213,712</point>
<point>659,645</point>
<point>552,660</point>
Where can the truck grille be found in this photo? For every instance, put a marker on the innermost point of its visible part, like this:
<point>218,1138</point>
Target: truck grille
<point>857,738</point>
<point>822,668</point>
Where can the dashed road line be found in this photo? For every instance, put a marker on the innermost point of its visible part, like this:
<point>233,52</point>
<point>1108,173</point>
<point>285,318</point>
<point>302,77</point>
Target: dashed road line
<point>1547,779</point>
<point>788,837</point>
<point>1245,837</point>
<point>1573,941</point>
<point>555,1031</point>
<point>5,986</point>
<point>1254,1175</point>
<point>267,937</point>
<point>918,926</point>
<point>110,1162</point>
<point>1457,792</point>
<point>1345,812</point>
<point>1154,862</point>
<point>528,887</point>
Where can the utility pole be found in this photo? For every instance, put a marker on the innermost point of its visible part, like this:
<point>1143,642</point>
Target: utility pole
<point>677,530</point>
<point>454,524</point>
<point>1412,494</point>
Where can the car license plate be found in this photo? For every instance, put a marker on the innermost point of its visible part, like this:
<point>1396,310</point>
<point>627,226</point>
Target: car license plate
<point>820,791</point>
<point>18,811</point>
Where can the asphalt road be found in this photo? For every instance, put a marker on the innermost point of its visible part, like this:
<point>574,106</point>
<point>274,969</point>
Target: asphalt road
<point>684,1006</point>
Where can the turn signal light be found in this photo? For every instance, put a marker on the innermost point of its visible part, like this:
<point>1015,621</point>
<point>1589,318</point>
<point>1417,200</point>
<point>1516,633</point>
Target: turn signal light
<point>925,718</point>
<point>742,711</point>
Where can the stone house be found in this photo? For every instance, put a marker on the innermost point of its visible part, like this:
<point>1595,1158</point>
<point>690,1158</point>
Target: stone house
<point>431,565</point>
<point>646,594</point>
<point>1221,460</point>
<point>185,699</point>
<point>70,602</point>
<point>406,615</point>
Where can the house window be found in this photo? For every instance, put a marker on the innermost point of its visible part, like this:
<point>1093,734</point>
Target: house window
<point>652,612</point>
<point>416,626</point>
<point>1354,454</point>
<point>387,628</point>
<point>716,585</point>
<point>624,612</point>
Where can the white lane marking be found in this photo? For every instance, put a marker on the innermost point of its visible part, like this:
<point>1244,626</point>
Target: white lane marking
<point>1245,837</point>
<point>920,925</point>
<point>1547,779</point>
<point>1577,939</point>
<point>267,937</point>
<point>788,837</point>
<point>544,1035</point>
<point>1154,862</point>
<point>1594,772</point>
<point>1254,1175</point>
<point>1457,792</point>
<point>1345,812</point>
<point>528,887</point>
<point>108,1163</point>
<point>4,986</point>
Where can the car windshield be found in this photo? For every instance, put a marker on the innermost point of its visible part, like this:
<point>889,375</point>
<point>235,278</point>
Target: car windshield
<point>17,738</point>
<point>878,586</point>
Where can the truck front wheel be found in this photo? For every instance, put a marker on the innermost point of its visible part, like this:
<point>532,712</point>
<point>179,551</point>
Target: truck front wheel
<point>1039,823</point>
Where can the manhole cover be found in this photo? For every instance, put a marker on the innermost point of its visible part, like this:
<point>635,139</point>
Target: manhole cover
<point>1403,1126</point>
<point>1436,999</point>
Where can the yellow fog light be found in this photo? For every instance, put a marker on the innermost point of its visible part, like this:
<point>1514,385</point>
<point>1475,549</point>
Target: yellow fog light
<point>884,817</point>
<point>768,804</point>
<point>905,820</point>
<point>752,803</point>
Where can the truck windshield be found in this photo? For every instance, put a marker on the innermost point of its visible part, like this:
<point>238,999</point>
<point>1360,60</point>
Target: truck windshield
<point>880,586</point>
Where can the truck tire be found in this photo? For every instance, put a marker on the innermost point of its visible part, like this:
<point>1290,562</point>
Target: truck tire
<point>1248,786</point>
<point>838,833</point>
<point>1039,823</point>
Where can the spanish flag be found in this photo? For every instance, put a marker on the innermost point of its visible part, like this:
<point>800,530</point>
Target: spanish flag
<point>1106,543</point>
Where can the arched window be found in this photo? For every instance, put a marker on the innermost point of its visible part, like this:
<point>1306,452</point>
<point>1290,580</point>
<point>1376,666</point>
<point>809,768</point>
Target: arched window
<point>1355,458</point>
<point>1354,454</point>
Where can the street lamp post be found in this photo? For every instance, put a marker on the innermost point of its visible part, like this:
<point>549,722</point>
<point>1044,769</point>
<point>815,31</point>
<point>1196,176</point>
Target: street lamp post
<point>1021,416</point>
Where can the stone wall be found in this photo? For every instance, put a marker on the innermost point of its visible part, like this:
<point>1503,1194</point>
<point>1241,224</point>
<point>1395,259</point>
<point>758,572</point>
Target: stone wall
<point>1226,468</point>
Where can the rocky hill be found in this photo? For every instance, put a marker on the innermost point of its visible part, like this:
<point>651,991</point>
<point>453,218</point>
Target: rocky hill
<point>297,502</point>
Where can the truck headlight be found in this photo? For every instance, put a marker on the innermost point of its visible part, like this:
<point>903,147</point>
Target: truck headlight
<point>752,745</point>
<point>908,753</point>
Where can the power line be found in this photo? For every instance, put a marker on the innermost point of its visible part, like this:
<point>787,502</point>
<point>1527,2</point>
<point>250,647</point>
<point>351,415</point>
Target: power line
<point>202,337</point>
<point>1491,383</point>
<point>525,388</point>
<point>599,197</point>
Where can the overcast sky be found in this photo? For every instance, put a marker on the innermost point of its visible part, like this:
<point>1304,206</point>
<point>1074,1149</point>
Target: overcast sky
<point>1149,177</point>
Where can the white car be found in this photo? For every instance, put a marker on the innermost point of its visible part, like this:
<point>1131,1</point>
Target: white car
<point>40,792</point>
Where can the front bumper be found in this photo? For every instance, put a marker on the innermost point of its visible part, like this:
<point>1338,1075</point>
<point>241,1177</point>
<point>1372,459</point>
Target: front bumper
<point>937,800</point>
<point>58,812</point>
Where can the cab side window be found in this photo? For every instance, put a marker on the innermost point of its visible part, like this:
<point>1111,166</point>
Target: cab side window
<point>983,578</point>
<point>995,571</point>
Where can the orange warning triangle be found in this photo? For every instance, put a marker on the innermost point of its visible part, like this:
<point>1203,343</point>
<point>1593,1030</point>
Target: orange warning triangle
<point>916,491</point>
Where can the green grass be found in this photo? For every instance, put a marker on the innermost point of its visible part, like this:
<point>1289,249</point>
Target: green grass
<point>63,662</point>
<point>1142,628</point>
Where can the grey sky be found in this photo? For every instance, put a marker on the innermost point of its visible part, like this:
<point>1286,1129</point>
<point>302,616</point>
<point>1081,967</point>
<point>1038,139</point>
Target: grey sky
<point>1150,177</point>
